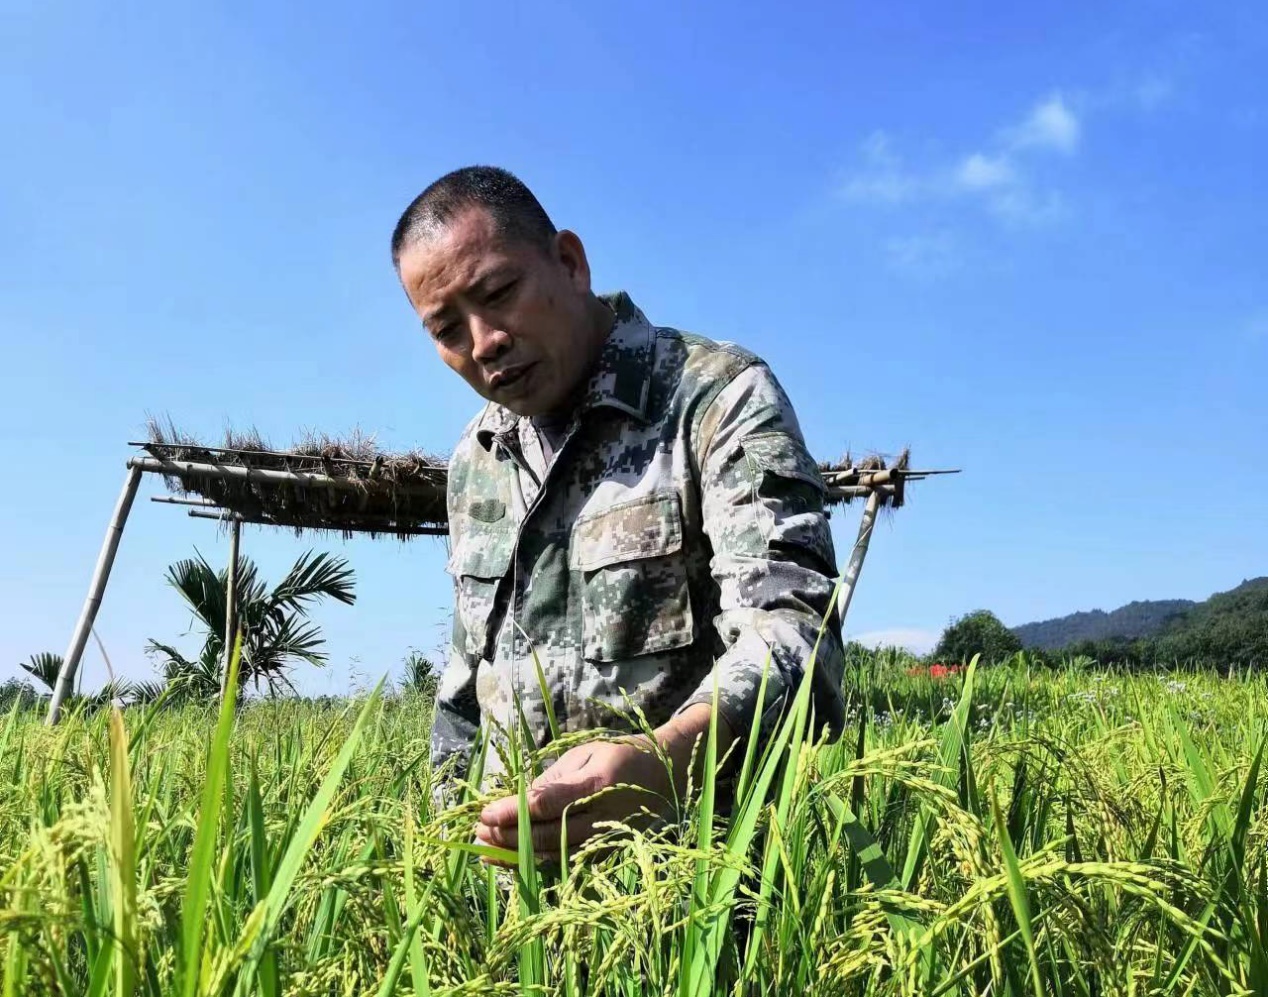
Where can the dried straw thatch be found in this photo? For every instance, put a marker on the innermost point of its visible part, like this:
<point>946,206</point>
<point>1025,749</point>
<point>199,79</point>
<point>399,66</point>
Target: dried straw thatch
<point>848,479</point>
<point>348,485</point>
<point>345,485</point>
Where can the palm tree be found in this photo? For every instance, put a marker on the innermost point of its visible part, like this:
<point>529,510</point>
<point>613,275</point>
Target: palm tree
<point>46,666</point>
<point>276,631</point>
<point>420,673</point>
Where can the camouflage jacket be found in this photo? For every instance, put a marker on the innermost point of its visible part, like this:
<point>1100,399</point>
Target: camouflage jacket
<point>680,523</point>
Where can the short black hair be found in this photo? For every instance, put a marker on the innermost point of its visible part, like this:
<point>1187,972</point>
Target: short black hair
<point>516,211</point>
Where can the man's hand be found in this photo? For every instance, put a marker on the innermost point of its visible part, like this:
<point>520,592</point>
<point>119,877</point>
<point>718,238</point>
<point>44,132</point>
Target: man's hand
<point>588,769</point>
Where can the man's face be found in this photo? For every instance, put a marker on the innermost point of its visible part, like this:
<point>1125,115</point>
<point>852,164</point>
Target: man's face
<point>515,320</point>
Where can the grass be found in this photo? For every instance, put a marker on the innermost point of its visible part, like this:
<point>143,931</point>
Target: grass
<point>1002,831</point>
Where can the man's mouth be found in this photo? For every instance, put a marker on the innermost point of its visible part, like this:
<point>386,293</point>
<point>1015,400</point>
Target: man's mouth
<point>509,376</point>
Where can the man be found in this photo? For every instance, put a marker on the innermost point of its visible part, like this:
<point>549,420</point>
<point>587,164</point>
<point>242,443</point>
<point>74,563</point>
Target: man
<point>632,505</point>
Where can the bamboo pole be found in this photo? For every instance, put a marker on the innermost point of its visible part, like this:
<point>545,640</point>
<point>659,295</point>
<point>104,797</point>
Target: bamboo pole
<point>96,589</point>
<point>858,491</point>
<point>858,554</point>
<point>903,472</point>
<point>231,601</point>
<point>224,515</point>
<point>365,524</point>
<point>194,469</point>
<point>173,500</point>
<point>376,463</point>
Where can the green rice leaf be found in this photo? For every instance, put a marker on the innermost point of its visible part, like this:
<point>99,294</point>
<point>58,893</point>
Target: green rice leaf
<point>194,909</point>
<point>504,855</point>
<point>123,852</point>
<point>268,913</point>
<point>1017,895</point>
<point>419,970</point>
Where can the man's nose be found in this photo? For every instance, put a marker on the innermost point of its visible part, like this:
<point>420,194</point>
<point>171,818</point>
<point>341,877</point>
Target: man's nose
<point>487,342</point>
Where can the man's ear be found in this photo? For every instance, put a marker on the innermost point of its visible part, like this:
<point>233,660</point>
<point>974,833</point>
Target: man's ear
<point>572,255</point>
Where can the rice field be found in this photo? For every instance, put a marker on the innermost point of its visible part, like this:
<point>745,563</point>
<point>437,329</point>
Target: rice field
<point>999,830</point>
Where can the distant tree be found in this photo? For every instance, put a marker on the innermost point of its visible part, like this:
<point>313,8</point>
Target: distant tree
<point>16,691</point>
<point>420,673</point>
<point>979,632</point>
<point>276,631</point>
<point>1136,619</point>
<point>1229,629</point>
<point>45,667</point>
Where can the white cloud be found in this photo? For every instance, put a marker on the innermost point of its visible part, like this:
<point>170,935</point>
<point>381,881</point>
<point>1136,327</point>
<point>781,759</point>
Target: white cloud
<point>913,639</point>
<point>1022,205</point>
<point>878,148</point>
<point>980,172</point>
<point>1006,192</point>
<point>884,180</point>
<point>929,254</point>
<point>884,188</point>
<point>1051,125</point>
<point>1135,93</point>
<point>994,176</point>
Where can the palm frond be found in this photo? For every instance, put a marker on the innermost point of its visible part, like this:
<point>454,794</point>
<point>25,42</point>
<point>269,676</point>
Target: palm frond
<point>45,667</point>
<point>146,691</point>
<point>280,640</point>
<point>202,589</point>
<point>116,690</point>
<point>312,577</point>
<point>249,586</point>
<point>197,678</point>
<point>171,658</point>
<point>274,624</point>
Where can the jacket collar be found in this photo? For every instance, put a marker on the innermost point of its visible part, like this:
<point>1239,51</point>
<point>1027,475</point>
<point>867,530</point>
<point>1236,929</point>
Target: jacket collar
<point>621,378</point>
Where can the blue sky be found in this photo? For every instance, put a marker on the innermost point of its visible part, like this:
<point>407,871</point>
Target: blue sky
<point>1026,240</point>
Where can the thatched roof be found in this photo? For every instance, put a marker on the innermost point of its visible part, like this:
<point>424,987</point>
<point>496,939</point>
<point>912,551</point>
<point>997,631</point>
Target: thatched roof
<point>345,485</point>
<point>848,479</point>
<point>348,485</point>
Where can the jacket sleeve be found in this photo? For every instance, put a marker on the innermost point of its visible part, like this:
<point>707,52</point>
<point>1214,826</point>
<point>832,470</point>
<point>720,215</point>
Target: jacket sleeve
<point>762,501</point>
<point>457,712</point>
<point>456,719</point>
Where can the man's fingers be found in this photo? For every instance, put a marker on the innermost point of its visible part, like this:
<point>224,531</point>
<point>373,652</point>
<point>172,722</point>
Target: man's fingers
<point>544,803</point>
<point>547,798</point>
<point>501,812</point>
<point>545,835</point>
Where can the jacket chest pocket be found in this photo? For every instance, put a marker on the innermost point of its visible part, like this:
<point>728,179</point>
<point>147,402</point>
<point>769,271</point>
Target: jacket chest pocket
<point>479,562</point>
<point>635,597</point>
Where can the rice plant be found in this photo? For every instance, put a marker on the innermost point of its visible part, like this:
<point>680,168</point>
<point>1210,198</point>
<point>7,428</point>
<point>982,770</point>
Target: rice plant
<point>994,830</point>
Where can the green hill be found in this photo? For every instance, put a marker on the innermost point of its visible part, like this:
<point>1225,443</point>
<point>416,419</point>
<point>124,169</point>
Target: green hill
<point>1136,619</point>
<point>1230,628</point>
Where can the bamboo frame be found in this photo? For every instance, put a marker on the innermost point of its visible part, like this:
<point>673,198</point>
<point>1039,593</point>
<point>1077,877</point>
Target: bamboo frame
<point>880,486</point>
<point>231,601</point>
<point>177,500</point>
<point>364,524</point>
<point>857,555</point>
<point>375,466</point>
<point>193,469</point>
<point>96,591</point>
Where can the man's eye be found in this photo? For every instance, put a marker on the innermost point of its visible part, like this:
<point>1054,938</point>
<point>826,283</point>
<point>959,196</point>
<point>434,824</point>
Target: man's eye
<point>501,293</point>
<point>444,333</point>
